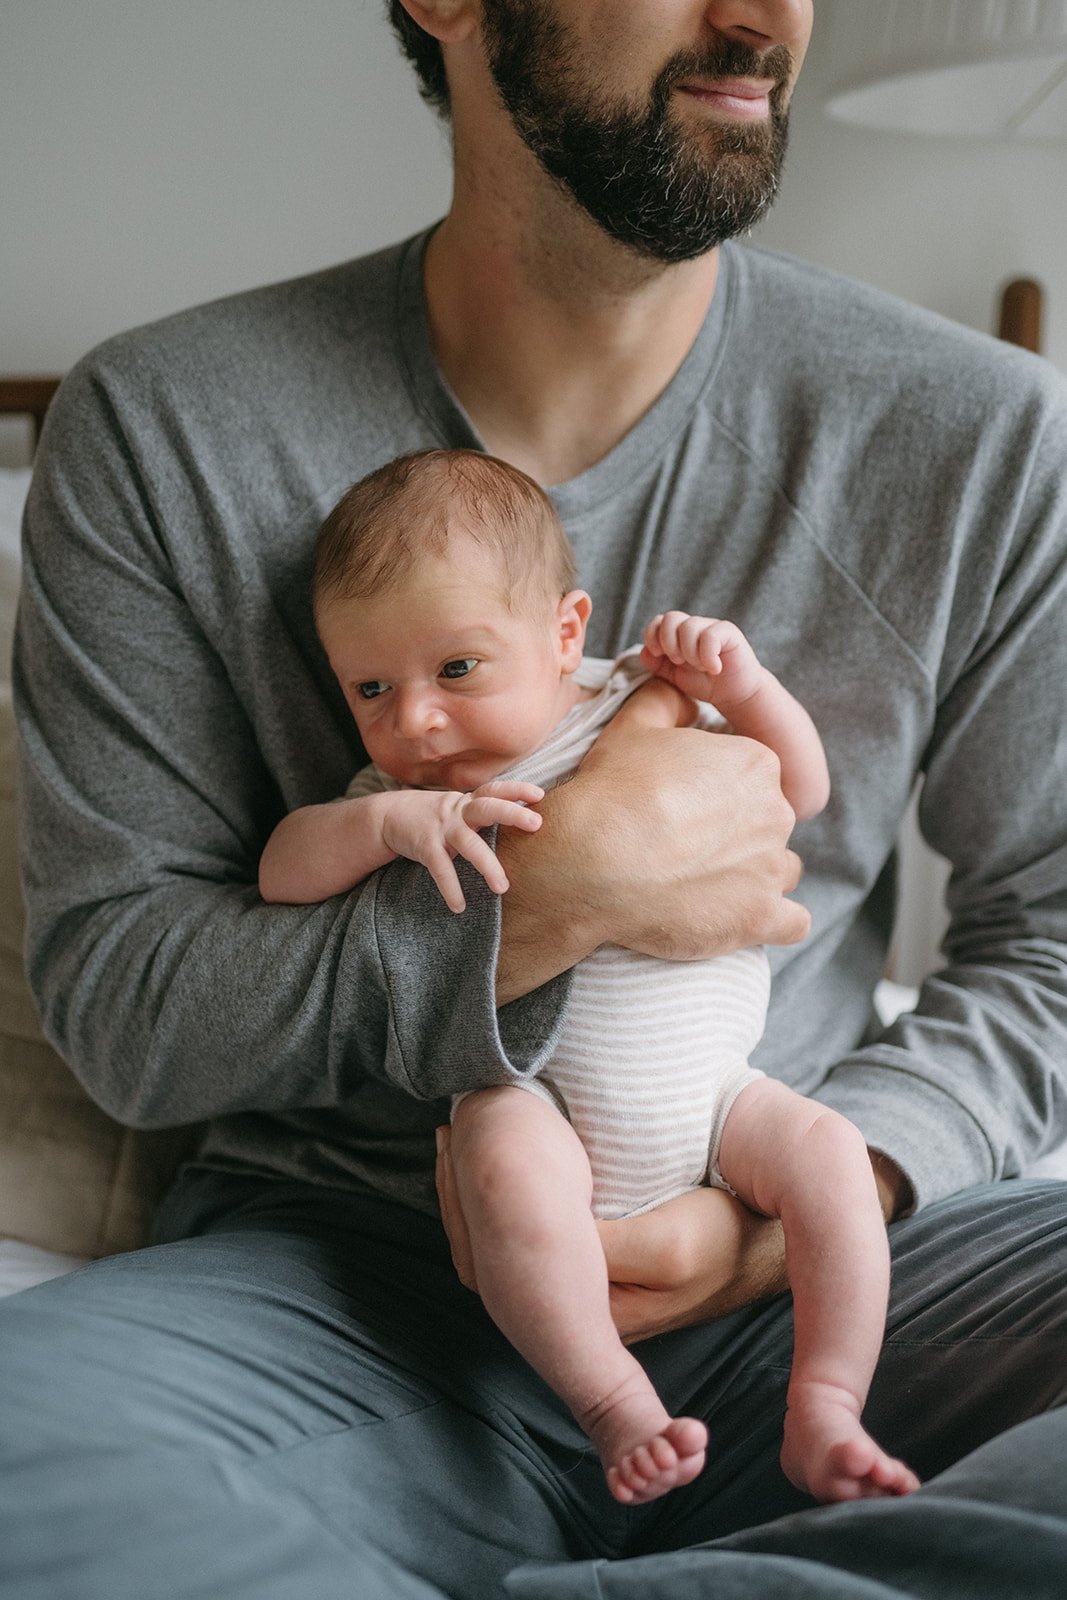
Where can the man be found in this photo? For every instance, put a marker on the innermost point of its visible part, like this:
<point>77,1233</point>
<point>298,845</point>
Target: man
<point>295,1395</point>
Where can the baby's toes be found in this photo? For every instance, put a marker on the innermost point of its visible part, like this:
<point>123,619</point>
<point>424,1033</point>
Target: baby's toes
<point>893,1477</point>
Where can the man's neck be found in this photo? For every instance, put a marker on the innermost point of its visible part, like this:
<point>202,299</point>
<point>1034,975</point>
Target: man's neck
<point>555,339</point>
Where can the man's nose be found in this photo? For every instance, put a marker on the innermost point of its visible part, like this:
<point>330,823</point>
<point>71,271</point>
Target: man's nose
<point>763,23</point>
<point>418,713</point>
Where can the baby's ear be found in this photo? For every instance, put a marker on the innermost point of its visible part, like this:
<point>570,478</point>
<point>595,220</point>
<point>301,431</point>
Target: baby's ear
<point>572,614</point>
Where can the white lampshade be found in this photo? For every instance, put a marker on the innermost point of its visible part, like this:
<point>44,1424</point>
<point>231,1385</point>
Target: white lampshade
<point>972,68</point>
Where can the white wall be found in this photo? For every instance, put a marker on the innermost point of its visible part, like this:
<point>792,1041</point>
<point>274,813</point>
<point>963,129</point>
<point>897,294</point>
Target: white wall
<point>154,153</point>
<point>157,152</point>
<point>944,222</point>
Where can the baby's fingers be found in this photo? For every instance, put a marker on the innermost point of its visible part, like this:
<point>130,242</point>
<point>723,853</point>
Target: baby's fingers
<point>652,634</point>
<point>439,866</point>
<point>473,848</point>
<point>665,642</point>
<point>510,789</point>
<point>487,811</point>
<point>707,650</point>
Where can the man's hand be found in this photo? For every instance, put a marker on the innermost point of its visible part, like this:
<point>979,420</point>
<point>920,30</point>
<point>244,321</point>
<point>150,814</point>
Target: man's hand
<point>455,1223</point>
<point>705,1254</point>
<point>691,1260</point>
<point>673,841</point>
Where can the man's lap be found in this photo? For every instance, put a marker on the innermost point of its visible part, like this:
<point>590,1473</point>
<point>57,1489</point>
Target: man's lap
<point>309,1360</point>
<point>976,1341</point>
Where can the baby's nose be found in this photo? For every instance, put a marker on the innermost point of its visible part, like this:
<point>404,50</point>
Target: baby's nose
<point>417,714</point>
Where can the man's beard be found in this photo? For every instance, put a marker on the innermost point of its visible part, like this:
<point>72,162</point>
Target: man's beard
<point>667,192</point>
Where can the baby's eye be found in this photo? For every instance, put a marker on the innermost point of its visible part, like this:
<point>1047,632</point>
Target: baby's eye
<point>459,669</point>
<point>371,690</point>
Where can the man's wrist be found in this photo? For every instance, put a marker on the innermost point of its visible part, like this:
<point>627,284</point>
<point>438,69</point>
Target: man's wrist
<point>542,929</point>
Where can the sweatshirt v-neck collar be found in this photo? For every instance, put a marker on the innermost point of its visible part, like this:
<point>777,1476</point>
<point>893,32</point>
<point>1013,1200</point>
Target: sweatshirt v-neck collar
<point>645,441</point>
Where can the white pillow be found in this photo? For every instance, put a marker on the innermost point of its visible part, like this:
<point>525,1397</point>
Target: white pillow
<point>14,486</point>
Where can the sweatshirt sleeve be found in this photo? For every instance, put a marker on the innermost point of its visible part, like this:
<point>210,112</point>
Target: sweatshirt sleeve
<point>174,993</point>
<point>972,1087</point>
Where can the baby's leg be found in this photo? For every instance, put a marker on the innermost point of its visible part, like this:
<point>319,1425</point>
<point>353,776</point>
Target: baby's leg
<point>792,1158</point>
<point>525,1189</point>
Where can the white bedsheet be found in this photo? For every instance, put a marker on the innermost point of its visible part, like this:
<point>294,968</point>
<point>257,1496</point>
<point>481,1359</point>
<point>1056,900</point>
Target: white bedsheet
<point>23,1265</point>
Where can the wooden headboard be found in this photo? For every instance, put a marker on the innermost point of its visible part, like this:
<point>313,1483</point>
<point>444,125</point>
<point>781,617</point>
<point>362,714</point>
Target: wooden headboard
<point>27,397</point>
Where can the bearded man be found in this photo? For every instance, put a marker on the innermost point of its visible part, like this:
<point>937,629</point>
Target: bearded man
<point>294,1393</point>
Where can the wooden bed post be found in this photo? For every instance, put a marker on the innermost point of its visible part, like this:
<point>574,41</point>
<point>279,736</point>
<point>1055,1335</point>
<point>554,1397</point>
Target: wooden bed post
<point>1020,314</point>
<point>28,397</point>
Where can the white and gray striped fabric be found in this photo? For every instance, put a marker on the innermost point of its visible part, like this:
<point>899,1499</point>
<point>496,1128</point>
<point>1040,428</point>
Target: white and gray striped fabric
<point>651,1057</point>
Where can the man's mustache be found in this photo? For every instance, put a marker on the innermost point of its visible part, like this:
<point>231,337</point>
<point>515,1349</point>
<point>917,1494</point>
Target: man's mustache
<point>729,58</point>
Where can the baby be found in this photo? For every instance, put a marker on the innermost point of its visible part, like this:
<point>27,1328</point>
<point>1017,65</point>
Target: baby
<point>444,597</point>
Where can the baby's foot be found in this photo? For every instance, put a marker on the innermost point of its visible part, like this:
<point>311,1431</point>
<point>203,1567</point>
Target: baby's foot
<point>670,1458</point>
<point>645,1452</point>
<point>829,1454</point>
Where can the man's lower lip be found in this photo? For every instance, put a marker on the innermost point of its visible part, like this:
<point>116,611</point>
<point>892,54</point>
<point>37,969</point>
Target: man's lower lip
<point>743,107</point>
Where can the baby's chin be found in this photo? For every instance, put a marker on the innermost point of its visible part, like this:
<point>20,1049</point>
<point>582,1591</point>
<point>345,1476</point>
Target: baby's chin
<point>464,773</point>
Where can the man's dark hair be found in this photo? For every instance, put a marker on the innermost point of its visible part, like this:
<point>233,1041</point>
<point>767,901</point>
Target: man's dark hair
<point>424,53</point>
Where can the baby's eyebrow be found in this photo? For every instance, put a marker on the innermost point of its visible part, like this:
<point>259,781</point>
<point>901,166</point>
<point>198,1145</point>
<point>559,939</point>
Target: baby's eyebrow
<point>469,639</point>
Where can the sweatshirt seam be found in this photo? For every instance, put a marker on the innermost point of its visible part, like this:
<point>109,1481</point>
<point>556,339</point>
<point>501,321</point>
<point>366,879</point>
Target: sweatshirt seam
<point>420,1092</point>
<point>653,453</point>
<point>929,678</point>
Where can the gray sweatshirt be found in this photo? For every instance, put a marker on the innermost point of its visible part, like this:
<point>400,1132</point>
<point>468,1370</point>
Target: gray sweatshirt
<point>878,497</point>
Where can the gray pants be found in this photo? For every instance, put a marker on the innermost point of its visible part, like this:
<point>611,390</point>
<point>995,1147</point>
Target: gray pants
<point>294,1397</point>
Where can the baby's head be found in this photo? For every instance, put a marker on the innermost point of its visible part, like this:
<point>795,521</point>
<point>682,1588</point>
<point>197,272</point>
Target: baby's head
<point>443,595</point>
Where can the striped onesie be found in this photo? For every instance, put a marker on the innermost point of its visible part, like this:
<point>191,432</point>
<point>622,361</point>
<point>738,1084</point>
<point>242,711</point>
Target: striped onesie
<point>651,1054</point>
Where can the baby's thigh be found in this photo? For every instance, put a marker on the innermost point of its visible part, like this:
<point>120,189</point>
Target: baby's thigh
<point>510,1135</point>
<point>765,1129</point>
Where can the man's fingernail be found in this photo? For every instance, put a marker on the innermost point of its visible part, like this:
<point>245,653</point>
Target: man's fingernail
<point>439,1140</point>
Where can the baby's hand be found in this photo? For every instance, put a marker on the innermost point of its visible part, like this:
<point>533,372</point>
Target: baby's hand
<point>434,825</point>
<point>703,656</point>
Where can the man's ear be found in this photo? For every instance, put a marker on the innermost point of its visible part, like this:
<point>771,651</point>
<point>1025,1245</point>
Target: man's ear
<point>447,21</point>
<point>573,614</point>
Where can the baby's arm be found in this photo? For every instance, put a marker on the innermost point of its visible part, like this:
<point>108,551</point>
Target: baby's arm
<point>712,660</point>
<point>322,850</point>
<point>657,704</point>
